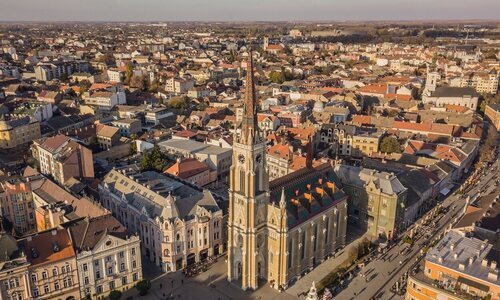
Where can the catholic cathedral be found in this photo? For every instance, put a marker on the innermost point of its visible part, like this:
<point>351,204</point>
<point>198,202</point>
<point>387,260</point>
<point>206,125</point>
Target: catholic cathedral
<point>278,230</point>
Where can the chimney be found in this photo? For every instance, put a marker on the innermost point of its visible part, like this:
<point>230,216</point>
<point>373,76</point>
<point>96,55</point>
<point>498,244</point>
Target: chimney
<point>54,232</point>
<point>493,265</point>
<point>493,275</point>
<point>484,263</point>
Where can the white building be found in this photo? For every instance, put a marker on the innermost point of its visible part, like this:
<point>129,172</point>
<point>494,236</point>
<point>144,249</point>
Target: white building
<point>178,85</point>
<point>108,257</point>
<point>446,95</point>
<point>178,223</point>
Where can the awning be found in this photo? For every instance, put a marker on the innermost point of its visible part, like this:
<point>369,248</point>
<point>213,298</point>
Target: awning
<point>474,284</point>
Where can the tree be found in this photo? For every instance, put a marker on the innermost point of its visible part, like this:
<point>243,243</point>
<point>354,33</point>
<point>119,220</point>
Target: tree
<point>84,86</point>
<point>115,295</point>
<point>154,160</point>
<point>143,286</point>
<point>390,145</point>
<point>133,147</point>
<point>138,82</point>
<point>129,72</point>
<point>179,102</point>
<point>486,152</point>
<point>276,77</point>
<point>353,252</point>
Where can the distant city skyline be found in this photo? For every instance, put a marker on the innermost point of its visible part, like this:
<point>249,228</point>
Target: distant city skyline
<point>237,10</point>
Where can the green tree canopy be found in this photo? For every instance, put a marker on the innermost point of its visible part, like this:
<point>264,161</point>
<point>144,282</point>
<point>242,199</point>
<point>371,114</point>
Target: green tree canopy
<point>143,286</point>
<point>390,145</point>
<point>115,295</point>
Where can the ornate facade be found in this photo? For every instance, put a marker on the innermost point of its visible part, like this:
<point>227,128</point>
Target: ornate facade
<point>278,230</point>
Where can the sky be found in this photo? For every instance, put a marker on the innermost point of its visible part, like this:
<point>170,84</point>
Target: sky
<point>248,10</point>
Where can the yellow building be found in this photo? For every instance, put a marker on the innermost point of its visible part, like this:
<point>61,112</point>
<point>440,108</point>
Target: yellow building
<point>15,131</point>
<point>492,113</point>
<point>278,230</point>
<point>365,143</point>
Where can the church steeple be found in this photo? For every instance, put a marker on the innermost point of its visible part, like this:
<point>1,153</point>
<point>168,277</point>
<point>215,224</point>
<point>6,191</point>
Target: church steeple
<point>249,125</point>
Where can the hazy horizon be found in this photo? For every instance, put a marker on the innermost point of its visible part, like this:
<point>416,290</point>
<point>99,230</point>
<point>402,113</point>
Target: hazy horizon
<point>255,10</point>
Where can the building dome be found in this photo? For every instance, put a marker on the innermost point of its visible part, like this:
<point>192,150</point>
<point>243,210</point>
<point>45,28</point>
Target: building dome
<point>318,106</point>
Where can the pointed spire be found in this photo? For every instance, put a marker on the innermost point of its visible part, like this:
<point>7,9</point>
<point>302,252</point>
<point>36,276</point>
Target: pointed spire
<point>282,199</point>
<point>249,122</point>
<point>250,96</point>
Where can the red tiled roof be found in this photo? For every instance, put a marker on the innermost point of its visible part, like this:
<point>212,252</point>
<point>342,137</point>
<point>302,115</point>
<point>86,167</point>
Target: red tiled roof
<point>281,151</point>
<point>187,168</point>
<point>373,89</point>
<point>44,244</point>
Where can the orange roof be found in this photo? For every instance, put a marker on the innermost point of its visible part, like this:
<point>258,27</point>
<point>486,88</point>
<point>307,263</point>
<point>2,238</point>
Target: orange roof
<point>333,89</point>
<point>185,134</point>
<point>274,47</point>
<point>456,108</point>
<point>99,86</point>
<point>302,133</point>
<point>398,97</point>
<point>281,151</point>
<point>361,119</point>
<point>300,162</point>
<point>262,117</point>
<point>49,247</point>
<point>373,89</point>
<point>187,168</point>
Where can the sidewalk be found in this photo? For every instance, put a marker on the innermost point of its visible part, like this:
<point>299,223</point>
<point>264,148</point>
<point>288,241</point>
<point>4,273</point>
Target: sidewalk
<point>209,285</point>
<point>302,286</point>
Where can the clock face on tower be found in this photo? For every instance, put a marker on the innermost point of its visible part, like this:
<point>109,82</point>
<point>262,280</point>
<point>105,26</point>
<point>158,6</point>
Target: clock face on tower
<point>258,159</point>
<point>241,158</point>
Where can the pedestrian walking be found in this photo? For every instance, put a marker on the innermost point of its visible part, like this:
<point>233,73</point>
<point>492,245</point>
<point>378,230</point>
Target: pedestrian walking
<point>182,281</point>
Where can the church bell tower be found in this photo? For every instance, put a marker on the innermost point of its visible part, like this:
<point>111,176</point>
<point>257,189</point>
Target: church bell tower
<point>248,196</point>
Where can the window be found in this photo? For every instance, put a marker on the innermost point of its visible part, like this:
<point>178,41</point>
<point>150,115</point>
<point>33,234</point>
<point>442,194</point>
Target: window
<point>98,289</point>
<point>44,275</point>
<point>35,292</point>
<point>303,248</point>
<point>56,285</point>
<point>33,278</point>
<point>86,280</point>
<point>108,258</point>
<point>122,267</point>
<point>121,254</point>
<point>110,270</point>
<point>54,272</point>
<point>67,282</point>
<point>46,289</point>
<point>112,285</point>
<point>98,274</point>
<point>124,280</point>
<point>133,250</point>
<point>134,264</point>
<point>134,277</point>
<point>96,263</point>
<point>85,268</point>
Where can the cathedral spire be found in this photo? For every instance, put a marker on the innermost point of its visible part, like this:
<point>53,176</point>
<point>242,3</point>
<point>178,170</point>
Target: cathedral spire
<point>283,198</point>
<point>249,122</point>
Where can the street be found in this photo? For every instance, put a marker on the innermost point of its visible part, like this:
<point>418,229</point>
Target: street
<point>378,276</point>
